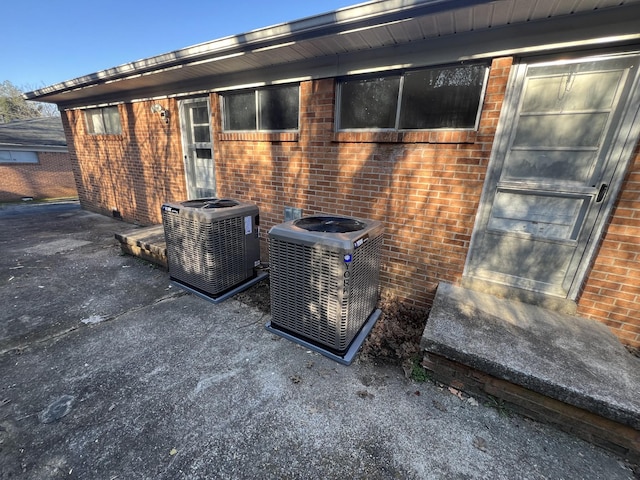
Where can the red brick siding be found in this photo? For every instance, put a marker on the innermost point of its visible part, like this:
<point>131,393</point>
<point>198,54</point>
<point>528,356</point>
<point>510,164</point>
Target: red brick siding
<point>132,173</point>
<point>612,291</point>
<point>51,177</point>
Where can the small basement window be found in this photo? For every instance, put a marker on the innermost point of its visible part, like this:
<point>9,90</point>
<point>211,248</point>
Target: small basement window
<point>262,109</point>
<point>103,121</point>
<point>427,99</point>
<point>16,156</point>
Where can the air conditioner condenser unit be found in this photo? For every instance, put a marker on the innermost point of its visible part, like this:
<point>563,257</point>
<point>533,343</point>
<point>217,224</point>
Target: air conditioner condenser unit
<point>212,246</point>
<point>324,276</point>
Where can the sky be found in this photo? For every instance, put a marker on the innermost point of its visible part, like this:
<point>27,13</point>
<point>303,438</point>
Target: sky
<point>46,42</point>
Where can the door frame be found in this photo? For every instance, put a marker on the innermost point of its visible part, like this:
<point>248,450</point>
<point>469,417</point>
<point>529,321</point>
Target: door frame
<point>182,103</point>
<point>622,149</point>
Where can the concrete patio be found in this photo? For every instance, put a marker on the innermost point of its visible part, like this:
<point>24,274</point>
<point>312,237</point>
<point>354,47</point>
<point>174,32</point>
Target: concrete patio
<point>108,372</point>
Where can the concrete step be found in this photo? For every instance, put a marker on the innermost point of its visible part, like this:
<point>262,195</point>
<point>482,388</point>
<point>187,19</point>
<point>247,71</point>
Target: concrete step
<point>145,242</point>
<point>568,359</point>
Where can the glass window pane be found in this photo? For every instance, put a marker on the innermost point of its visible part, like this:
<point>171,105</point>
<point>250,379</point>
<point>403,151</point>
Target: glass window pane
<point>8,156</point>
<point>581,91</point>
<point>201,134</point>
<point>442,97</point>
<point>561,130</point>
<point>94,121</point>
<point>111,118</point>
<point>204,153</point>
<point>279,108</point>
<point>240,111</point>
<point>200,114</point>
<point>369,103</point>
<point>101,121</point>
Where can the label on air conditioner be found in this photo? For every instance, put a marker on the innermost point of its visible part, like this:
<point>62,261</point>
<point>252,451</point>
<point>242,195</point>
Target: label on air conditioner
<point>170,209</point>
<point>248,225</point>
<point>361,241</point>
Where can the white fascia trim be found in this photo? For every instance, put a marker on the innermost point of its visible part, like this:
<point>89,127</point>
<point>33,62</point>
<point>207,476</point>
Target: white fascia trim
<point>227,45</point>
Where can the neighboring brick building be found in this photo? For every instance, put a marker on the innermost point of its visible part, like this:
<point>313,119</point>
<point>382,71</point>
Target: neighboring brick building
<point>34,160</point>
<point>529,185</point>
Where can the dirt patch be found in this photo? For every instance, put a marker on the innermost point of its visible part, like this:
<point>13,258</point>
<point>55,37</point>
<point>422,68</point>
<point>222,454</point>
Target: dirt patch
<point>396,336</point>
<point>257,296</point>
<point>394,339</point>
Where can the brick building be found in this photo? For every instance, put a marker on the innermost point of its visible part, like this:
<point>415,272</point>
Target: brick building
<point>34,160</point>
<point>497,141</point>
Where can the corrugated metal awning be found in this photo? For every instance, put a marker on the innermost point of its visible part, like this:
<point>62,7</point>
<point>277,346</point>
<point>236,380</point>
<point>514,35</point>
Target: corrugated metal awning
<point>377,35</point>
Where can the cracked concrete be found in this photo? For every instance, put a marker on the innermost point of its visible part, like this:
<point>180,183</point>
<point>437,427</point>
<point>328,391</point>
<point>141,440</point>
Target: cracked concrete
<point>107,372</point>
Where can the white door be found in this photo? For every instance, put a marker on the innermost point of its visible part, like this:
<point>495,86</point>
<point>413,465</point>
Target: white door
<point>195,121</point>
<point>567,132</point>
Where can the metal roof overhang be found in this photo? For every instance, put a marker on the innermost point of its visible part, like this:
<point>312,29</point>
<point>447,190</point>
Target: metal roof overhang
<point>374,36</point>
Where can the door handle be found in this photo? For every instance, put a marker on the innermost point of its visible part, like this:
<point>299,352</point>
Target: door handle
<point>602,192</point>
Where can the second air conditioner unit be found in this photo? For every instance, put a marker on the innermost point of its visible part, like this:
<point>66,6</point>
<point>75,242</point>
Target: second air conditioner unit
<point>324,275</point>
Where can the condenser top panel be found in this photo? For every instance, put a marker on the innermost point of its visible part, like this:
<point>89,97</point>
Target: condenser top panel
<point>330,224</point>
<point>329,231</point>
<point>211,209</point>
<point>210,203</point>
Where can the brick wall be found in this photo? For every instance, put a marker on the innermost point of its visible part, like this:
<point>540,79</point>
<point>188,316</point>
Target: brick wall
<point>424,186</point>
<point>132,174</point>
<point>612,291</point>
<point>51,177</point>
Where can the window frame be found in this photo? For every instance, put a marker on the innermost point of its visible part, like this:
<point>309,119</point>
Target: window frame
<point>105,122</point>
<point>258,120</point>
<point>399,99</point>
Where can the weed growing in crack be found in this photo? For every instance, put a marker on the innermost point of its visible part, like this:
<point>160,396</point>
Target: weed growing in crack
<point>418,373</point>
<point>499,405</point>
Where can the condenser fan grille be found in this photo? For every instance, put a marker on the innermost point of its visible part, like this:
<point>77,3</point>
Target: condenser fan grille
<point>210,203</point>
<point>330,224</point>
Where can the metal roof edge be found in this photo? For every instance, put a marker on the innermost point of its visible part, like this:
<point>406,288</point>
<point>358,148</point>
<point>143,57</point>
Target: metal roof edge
<point>316,25</point>
<point>34,148</point>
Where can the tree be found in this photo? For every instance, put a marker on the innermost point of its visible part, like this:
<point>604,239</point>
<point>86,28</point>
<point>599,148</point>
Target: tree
<point>13,106</point>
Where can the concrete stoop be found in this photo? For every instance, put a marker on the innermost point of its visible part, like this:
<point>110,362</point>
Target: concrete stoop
<point>145,242</point>
<point>552,367</point>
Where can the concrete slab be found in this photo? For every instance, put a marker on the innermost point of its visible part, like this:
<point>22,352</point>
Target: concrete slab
<point>568,358</point>
<point>165,385</point>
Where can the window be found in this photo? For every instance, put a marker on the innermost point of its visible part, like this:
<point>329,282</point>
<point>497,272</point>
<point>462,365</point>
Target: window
<point>14,156</point>
<point>103,121</point>
<point>271,109</point>
<point>433,98</point>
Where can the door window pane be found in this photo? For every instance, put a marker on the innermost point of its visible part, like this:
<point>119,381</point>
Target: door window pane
<point>369,103</point>
<point>201,134</point>
<point>204,153</point>
<point>566,130</point>
<point>200,114</point>
<point>571,90</point>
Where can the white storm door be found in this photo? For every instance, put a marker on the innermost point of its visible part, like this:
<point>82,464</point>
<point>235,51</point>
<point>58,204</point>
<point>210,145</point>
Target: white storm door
<point>566,130</point>
<point>195,120</point>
